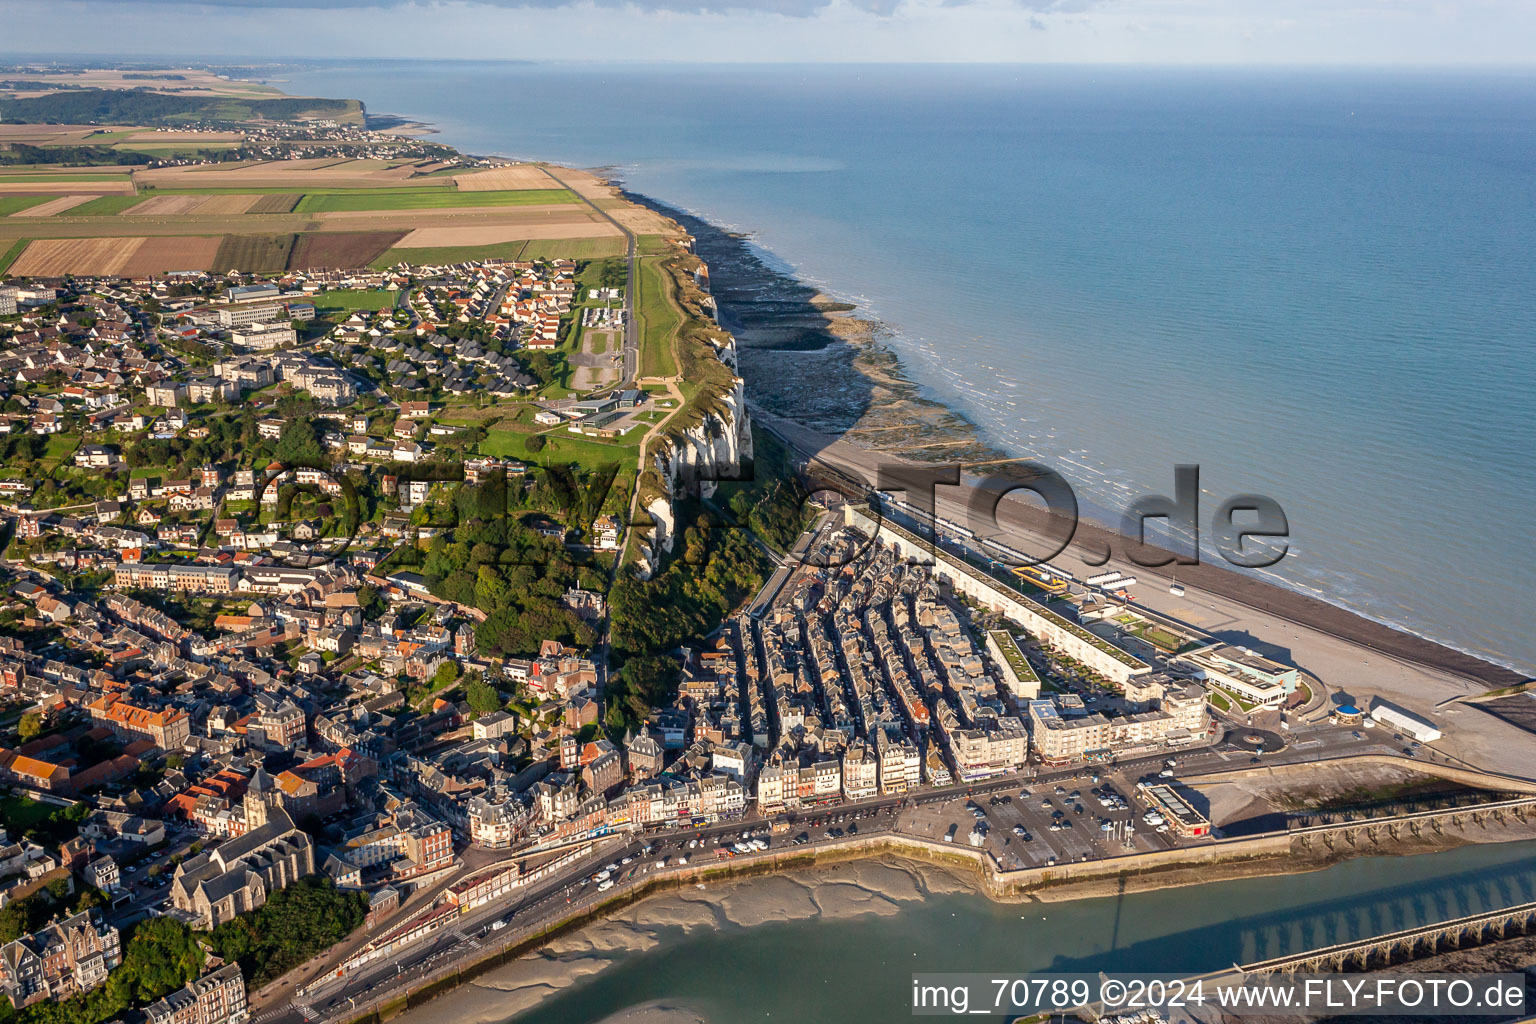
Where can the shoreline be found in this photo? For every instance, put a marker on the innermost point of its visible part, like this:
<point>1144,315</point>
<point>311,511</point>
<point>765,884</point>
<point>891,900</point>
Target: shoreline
<point>780,321</point>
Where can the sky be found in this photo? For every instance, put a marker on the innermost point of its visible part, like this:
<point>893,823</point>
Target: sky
<point>1340,32</point>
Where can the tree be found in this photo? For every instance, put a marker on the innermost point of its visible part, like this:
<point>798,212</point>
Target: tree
<point>483,698</point>
<point>298,445</point>
<point>30,726</point>
<point>534,444</point>
<point>446,673</point>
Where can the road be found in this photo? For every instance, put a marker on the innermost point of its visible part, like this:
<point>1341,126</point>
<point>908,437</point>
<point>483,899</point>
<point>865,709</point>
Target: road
<point>925,814</point>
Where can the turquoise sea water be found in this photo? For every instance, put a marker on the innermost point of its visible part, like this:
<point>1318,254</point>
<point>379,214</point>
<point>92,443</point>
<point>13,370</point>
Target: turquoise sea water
<point>1316,285</point>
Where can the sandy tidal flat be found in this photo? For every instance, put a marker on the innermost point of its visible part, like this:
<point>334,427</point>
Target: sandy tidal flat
<point>856,888</point>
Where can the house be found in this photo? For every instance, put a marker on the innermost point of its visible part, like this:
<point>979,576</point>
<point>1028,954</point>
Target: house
<point>218,997</point>
<point>61,960</point>
<point>104,874</point>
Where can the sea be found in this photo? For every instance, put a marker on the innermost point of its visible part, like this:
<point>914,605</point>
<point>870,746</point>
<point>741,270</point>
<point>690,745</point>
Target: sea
<point>1316,285</point>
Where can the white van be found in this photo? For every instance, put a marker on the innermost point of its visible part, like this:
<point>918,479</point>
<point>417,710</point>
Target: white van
<point>605,885</point>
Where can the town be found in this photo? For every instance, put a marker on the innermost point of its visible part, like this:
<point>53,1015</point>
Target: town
<point>357,620</point>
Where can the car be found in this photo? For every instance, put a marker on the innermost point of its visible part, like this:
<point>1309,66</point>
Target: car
<point>1166,773</point>
<point>1108,826</point>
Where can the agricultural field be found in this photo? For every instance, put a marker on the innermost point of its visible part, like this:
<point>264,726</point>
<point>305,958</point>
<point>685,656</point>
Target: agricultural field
<point>257,253</point>
<point>449,254</point>
<point>106,206</point>
<point>430,199</point>
<point>518,176</point>
<point>341,249</point>
<point>161,255</point>
<point>295,175</point>
<point>573,248</point>
<point>8,255</point>
<point>53,206</point>
<point>59,174</point>
<point>55,257</point>
<point>273,215</point>
<point>576,224</point>
<point>275,202</point>
<point>69,183</point>
<point>10,205</point>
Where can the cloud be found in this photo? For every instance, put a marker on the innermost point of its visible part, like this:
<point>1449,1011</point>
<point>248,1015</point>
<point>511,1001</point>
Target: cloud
<point>785,8</point>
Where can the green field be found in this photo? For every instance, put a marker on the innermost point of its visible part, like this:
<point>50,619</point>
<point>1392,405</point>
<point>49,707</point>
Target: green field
<point>659,319</point>
<point>427,199</point>
<point>15,204</point>
<point>573,248</point>
<point>106,206</point>
<point>9,256</point>
<point>450,254</point>
<point>354,299</point>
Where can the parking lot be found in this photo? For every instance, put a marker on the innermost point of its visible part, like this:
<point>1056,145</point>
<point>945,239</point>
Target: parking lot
<point>1079,818</point>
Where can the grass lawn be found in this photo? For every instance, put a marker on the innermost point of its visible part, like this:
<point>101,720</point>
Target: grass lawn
<point>659,320</point>
<point>560,447</point>
<point>15,204</point>
<point>21,813</point>
<point>652,245</point>
<point>1219,700</point>
<point>355,299</point>
<point>9,256</point>
<point>106,206</point>
<point>428,199</point>
<point>60,447</point>
<point>1234,698</point>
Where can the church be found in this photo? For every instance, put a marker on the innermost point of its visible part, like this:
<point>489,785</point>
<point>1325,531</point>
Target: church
<point>236,876</point>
